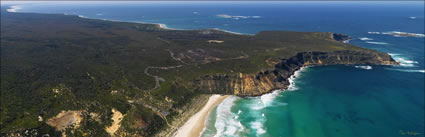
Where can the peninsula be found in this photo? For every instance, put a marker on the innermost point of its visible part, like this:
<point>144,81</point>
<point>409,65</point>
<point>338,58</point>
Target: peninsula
<point>72,76</point>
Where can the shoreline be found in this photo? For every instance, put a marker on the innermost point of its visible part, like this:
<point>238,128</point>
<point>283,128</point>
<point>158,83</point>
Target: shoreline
<point>196,123</point>
<point>194,126</point>
<point>14,8</point>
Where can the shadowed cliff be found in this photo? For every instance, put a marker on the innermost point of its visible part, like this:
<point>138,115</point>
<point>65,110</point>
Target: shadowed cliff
<point>268,80</point>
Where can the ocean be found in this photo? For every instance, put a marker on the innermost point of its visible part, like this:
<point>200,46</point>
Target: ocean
<point>328,101</point>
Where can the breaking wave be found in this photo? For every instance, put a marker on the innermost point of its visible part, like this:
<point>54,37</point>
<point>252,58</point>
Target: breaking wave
<point>405,62</point>
<point>259,127</point>
<point>226,122</point>
<point>364,67</point>
<point>365,38</point>
<point>409,70</point>
<point>377,43</point>
<point>237,17</point>
<point>374,32</point>
<point>399,34</point>
<point>13,9</point>
<point>292,86</point>
<point>256,106</point>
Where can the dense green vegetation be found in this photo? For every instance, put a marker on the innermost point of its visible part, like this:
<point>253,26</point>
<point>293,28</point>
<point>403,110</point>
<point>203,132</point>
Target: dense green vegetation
<point>98,65</point>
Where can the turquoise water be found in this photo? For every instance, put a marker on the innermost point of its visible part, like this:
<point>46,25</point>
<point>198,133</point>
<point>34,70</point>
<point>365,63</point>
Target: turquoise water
<point>331,101</point>
<point>337,101</point>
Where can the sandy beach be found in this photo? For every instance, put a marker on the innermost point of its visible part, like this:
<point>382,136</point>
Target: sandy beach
<point>194,126</point>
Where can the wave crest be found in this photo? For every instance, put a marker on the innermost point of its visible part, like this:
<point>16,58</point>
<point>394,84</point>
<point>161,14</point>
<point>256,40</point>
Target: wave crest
<point>409,70</point>
<point>365,38</point>
<point>405,62</point>
<point>377,43</point>
<point>399,34</point>
<point>237,17</point>
<point>364,67</point>
<point>13,8</point>
<point>226,122</point>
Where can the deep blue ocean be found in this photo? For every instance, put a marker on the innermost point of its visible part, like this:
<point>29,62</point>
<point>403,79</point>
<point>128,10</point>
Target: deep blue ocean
<point>331,101</point>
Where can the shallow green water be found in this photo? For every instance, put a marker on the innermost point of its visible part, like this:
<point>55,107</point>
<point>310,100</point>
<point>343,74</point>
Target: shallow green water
<point>339,101</point>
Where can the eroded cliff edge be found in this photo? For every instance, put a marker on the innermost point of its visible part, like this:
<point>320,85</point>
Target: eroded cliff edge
<point>266,81</point>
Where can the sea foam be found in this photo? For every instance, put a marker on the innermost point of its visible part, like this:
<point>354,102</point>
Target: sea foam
<point>405,62</point>
<point>374,32</point>
<point>399,34</point>
<point>291,79</point>
<point>377,43</point>
<point>267,100</point>
<point>365,38</point>
<point>13,8</point>
<point>364,67</point>
<point>226,123</point>
<point>259,127</point>
<point>409,70</point>
<point>236,17</point>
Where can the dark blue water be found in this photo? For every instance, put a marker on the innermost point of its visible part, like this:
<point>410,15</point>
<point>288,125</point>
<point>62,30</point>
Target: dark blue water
<point>338,101</point>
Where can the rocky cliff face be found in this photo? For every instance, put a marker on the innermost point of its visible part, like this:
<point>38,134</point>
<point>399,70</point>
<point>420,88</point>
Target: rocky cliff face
<point>268,80</point>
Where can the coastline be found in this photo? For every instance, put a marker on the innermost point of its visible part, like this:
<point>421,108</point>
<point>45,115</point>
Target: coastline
<point>15,8</point>
<point>194,126</point>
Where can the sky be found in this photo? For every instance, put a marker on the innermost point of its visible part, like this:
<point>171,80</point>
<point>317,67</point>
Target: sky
<point>12,2</point>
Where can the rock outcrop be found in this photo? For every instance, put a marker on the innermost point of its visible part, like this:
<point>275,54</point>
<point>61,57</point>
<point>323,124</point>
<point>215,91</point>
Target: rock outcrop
<point>268,80</point>
<point>341,37</point>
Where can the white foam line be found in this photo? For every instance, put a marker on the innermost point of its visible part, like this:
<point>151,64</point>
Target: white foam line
<point>291,79</point>
<point>259,127</point>
<point>236,17</point>
<point>266,100</point>
<point>405,62</point>
<point>197,121</point>
<point>365,38</point>
<point>377,43</point>
<point>399,34</point>
<point>13,8</point>
<point>364,67</point>
<point>408,70</point>
<point>225,123</point>
<point>374,32</point>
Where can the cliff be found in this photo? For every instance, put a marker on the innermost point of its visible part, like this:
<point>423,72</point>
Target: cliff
<point>268,80</point>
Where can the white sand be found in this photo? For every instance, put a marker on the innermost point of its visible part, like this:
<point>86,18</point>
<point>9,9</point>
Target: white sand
<point>194,126</point>
<point>163,26</point>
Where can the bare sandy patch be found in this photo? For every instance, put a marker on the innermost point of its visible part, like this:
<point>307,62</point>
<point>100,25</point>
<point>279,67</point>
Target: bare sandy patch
<point>116,122</point>
<point>65,119</point>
